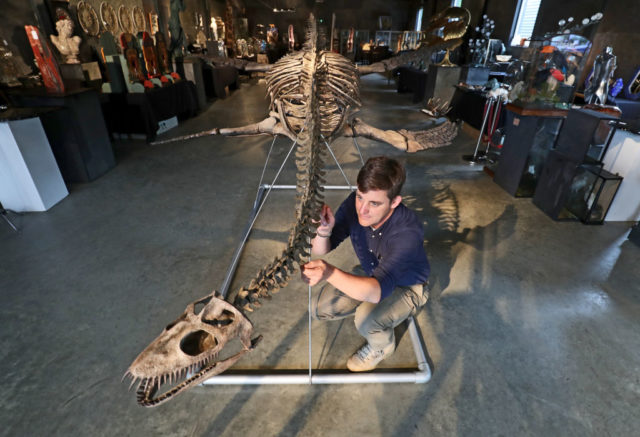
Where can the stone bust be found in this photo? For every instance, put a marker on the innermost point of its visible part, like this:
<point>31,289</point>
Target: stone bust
<point>67,44</point>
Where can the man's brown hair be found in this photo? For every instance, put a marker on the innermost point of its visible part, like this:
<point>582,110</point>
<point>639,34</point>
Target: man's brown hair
<point>382,173</point>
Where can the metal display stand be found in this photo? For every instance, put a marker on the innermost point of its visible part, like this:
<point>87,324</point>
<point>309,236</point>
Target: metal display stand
<point>296,376</point>
<point>490,121</point>
<point>4,214</point>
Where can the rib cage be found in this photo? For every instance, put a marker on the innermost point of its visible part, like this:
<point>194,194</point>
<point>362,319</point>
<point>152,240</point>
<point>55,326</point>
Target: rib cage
<point>336,89</point>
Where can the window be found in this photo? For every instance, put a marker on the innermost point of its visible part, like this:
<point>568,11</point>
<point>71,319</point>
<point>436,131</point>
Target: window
<point>456,3</point>
<point>419,20</point>
<point>525,20</point>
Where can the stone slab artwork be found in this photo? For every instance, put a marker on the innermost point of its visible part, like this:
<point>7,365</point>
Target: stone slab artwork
<point>88,18</point>
<point>45,60</point>
<point>137,16</point>
<point>124,18</point>
<point>109,18</point>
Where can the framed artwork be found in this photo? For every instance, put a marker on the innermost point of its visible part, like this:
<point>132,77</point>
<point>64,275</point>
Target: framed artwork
<point>124,18</point>
<point>139,22</point>
<point>109,17</point>
<point>88,18</point>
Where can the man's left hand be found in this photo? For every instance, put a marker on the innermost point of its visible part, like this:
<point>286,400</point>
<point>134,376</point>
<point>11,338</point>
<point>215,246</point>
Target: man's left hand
<point>315,271</point>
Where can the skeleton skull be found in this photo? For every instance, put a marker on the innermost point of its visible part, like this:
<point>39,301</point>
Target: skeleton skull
<point>189,347</point>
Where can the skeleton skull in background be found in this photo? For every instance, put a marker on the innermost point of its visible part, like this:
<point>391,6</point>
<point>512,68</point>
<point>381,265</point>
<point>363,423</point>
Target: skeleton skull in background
<point>188,348</point>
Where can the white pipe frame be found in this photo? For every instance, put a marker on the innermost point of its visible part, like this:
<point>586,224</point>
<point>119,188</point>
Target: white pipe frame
<point>420,375</point>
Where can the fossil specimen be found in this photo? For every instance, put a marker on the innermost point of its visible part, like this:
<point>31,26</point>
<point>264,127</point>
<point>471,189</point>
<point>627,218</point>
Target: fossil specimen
<point>312,93</point>
<point>444,32</point>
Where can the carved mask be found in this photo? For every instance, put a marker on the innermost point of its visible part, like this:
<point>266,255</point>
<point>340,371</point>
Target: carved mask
<point>187,350</point>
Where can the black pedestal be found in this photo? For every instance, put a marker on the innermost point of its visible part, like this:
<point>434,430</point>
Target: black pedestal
<point>530,134</point>
<point>441,82</point>
<point>474,75</point>
<point>77,132</point>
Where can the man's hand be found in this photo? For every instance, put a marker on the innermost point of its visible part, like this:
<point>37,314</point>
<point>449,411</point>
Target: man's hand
<point>327,220</point>
<point>316,271</point>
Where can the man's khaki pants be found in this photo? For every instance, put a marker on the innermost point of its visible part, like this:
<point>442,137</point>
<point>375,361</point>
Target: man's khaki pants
<point>375,322</point>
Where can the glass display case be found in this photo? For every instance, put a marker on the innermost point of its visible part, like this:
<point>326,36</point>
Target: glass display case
<point>552,69</point>
<point>360,37</point>
<point>530,135</point>
<point>390,38</point>
<point>411,39</point>
<point>591,194</point>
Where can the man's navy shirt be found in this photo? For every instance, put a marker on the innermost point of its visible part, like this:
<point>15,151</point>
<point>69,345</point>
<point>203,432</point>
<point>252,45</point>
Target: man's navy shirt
<point>393,253</point>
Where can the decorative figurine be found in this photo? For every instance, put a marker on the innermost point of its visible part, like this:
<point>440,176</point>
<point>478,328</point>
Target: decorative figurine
<point>603,68</point>
<point>67,44</point>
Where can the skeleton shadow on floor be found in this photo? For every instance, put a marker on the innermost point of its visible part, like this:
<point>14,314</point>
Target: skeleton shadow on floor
<point>439,208</point>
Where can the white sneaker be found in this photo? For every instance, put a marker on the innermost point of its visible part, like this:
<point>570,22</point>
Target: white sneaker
<point>366,358</point>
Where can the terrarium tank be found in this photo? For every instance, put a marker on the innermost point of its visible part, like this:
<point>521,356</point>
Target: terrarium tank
<point>552,70</point>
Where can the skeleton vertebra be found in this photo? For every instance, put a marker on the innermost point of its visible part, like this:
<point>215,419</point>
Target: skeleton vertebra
<point>312,93</point>
<point>315,100</point>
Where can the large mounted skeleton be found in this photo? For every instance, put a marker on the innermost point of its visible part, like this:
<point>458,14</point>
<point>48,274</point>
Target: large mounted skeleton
<point>312,93</point>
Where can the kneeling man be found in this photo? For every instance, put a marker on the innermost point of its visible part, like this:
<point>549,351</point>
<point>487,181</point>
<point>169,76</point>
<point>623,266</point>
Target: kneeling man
<point>390,283</point>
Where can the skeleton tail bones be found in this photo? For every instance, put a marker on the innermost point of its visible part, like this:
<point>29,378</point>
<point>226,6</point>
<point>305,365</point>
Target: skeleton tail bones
<point>188,349</point>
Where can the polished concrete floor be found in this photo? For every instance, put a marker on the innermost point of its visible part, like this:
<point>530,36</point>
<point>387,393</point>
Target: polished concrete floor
<point>532,327</point>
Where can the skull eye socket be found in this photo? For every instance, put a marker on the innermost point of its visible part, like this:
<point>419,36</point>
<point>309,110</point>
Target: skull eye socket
<point>197,342</point>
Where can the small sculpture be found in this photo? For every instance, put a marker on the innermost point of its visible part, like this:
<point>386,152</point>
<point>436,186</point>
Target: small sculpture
<point>603,68</point>
<point>67,45</point>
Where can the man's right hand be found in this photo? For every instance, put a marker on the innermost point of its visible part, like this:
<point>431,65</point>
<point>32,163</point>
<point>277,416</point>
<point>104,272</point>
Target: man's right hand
<point>327,220</point>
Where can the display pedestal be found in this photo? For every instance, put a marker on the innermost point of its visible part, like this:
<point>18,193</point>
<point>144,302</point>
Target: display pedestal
<point>144,112</point>
<point>441,82</point>
<point>634,235</point>
<point>413,80</point>
<point>29,176</point>
<point>474,75</point>
<point>191,70</point>
<point>72,76</point>
<point>77,132</point>
<point>623,158</point>
<point>468,105</point>
<point>530,134</point>
<point>219,79</point>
